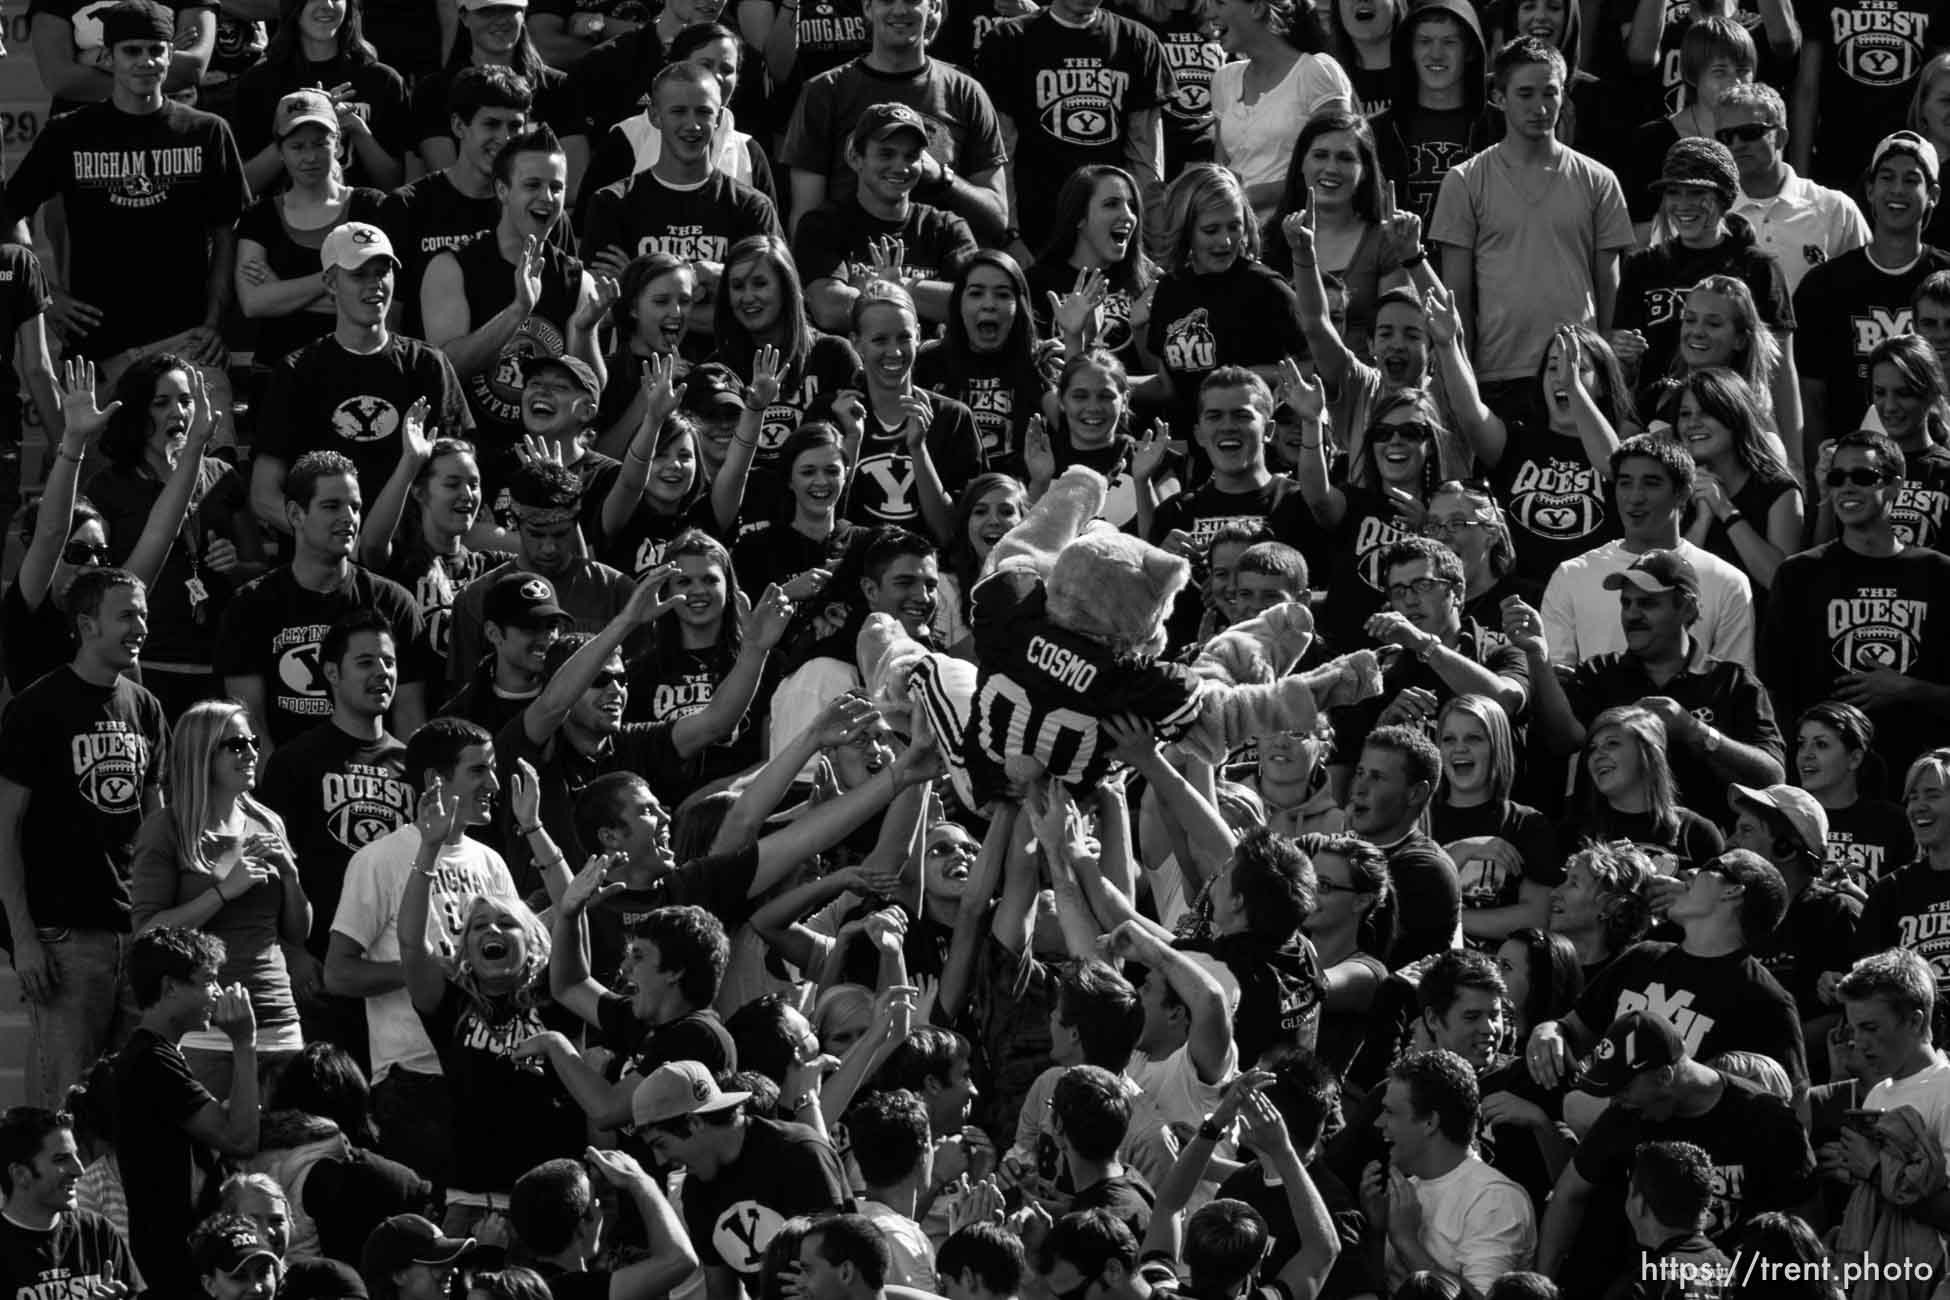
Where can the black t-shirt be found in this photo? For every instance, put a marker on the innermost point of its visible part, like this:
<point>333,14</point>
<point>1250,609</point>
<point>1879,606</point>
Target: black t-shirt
<point>84,19</point>
<point>324,398</point>
<point>508,1116</point>
<point>274,628</point>
<point>1352,1273</point>
<point>783,1170</point>
<point>23,295</point>
<point>1128,1198</point>
<point>1718,1004</point>
<point>348,1198</point>
<point>155,1096</point>
<point>1557,503</point>
<point>337,793</point>
<point>645,748</point>
<point>1725,696</point>
<point>1428,898</point>
<point>1834,611</point>
<point>1205,510</point>
<point>35,641</point>
<point>1869,839</point>
<point>999,391</point>
<point>1114,332</point>
<point>557,104</point>
<point>1241,316</point>
<point>494,392</point>
<point>435,581</point>
<point>720,883</point>
<point>1910,908</point>
<point>806,392</point>
<point>1761,1161</point>
<point>1654,283</point>
<point>378,94</point>
<point>775,552</point>
<point>645,214</point>
<point>86,755</point>
<point>1350,562</point>
<point>1193,56</point>
<point>293,254</point>
<point>425,217</point>
<point>79,1251</point>
<point>1846,307</point>
<point>1281,990</point>
<point>1816,935</point>
<point>883,490</point>
<point>179,632</point>
<point>1405,672</point>
<point>1070,92</point>
<point>1870,56</point>
<point>1687,1267</point>
<point>1484,883</point>
<point>132,184</point>
<point>1691,842</point>
<point>1434,141</point>
<point>834,239</point>
<point>1921,515</point>
<point>695,1036</point>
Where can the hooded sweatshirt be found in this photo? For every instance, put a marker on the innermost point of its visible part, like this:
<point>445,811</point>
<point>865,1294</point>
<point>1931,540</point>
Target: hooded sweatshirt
<point>1417,145</point>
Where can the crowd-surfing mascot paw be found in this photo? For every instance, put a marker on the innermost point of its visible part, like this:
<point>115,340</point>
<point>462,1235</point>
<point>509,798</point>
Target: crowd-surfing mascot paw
<point>1069,620</point>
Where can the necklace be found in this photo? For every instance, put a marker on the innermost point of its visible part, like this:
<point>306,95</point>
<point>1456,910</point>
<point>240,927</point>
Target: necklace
<point>1533,193</point>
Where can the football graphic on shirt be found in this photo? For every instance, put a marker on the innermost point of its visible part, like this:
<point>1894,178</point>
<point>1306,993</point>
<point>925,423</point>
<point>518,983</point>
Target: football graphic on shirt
<point>1871,633</point>
<point>1879,48</point>
<point>365,419</point>
<point>108,764</point>
<point>1561,500</point>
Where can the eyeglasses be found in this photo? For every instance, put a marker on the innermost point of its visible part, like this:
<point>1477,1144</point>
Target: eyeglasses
<point>239,744</point>
<point>1444,527</point>
<point>1419,587</point>
<point>1745,134</point>
<point>84,553</point>
<point>607,679</point>
<point>1410,430</point>
<point>1858,477</point>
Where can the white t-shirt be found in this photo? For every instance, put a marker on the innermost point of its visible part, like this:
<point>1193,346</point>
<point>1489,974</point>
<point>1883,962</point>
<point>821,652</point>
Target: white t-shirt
<point>911,1253</point>
<point>1581,617</point>
<point>1476,1222</point>
<point>1258,137</point>
<point>1148,1146</point>
<point>1927,1092</point>
<point>375,881</point>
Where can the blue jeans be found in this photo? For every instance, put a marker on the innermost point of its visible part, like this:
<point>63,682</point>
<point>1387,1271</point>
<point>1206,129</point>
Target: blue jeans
<point>92,1011</point>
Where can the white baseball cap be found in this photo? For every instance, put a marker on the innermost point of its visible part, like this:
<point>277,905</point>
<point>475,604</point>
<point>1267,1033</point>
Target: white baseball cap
<point>353,244</point>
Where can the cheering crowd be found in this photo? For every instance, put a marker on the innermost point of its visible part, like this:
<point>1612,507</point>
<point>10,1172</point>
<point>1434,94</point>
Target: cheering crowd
<point>485,810</point>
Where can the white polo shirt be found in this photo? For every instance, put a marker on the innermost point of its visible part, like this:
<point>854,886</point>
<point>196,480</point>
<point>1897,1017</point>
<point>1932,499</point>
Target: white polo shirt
<point>1804,225</point>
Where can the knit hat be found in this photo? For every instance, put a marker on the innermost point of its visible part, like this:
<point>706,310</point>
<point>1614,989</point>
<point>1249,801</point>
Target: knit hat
<point>1696,160</point>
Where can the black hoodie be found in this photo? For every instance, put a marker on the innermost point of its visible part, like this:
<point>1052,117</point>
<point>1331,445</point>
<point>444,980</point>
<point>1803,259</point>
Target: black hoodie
<point>1419,146</point>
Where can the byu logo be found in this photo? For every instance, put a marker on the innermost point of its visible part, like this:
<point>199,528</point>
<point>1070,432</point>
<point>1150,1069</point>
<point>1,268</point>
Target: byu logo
<point>365,419</point>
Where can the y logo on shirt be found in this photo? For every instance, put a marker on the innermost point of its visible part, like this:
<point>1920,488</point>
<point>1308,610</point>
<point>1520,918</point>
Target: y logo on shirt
<point>1082,102</point>
<point>1878,44</point>
<point>1918,514</point>
<point>1879,326</point>
<point>365,419</point>
<point>1190,343</point>
<point>364,803</point>
<point>1876,628</point>
<point>301,681</point>
<point>1560,499</point>
<point>1676,1007</point>
<point>108,765</point>
<point>893,474</point>
<point>742,1233</point>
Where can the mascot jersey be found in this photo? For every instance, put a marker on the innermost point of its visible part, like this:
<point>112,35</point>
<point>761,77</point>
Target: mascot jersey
<point>1042,689</point>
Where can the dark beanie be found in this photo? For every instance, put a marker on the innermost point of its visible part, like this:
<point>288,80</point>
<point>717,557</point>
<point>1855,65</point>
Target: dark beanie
<point>136,20</point>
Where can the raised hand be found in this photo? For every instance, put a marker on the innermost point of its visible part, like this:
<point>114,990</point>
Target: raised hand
<point>232,1015</point>
<point>1038,457</point>
<point>81,419</point>
<point>919,763</point>
<point>1075,314</point>
<point>850,413</point>
<point>920,415</point>
<point>648,603</point>
<point>661,391</point>
<point>1153,446</point>
<point>768,376</point>
<point>590,312</point>
<point>769,619</point>
<point>1523,627</point>
<point>618,1168</point>
<point>592,884</point>
<point>842,719</point>
<point>415,441</point>
<point>1401,231</point>
<point>439,820</point>
<point>1302,391</point>
<point>1439,311</point>
<point>203,415</point>
<point>537,451</point>
<point>886,259</point>
<point>528,275</point>
<point>1298,228</point>
<point>526,801</point>
<point>804,586</point>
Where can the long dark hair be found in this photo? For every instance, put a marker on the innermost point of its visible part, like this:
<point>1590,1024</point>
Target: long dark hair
<point>1724,396</point>
<point>286,49</point>
<point>959,557</point>
<point>736,346</point>
<point>643,271</point>
<point>1293,198</point>
<point>1613,399</point>
<point>667,645</point>
<point>1135,273</point>
<point>1020,346</point>
<point>1556,978</point>
<point>126,437</point>
<point>525,59</point>
<point>324,1080</point>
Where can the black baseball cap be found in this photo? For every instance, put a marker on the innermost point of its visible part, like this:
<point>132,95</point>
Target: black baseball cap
<point>521,600</point>
<point>713,389</point>
<point>1637,1041</point>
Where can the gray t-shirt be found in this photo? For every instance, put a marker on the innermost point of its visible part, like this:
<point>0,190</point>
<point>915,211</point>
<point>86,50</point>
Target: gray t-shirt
<point>1536,233</point>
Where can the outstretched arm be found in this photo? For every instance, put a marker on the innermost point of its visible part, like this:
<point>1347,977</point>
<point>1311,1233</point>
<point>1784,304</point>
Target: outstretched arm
<point>546,711</point>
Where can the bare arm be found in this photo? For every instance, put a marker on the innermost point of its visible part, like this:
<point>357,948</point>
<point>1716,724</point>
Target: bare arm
<point>383,519</point>
<point>426,979</point>
<point>970,922</point>
<point>1459,274</point>
<point>1604,282</point>
<point>546,711</point>
<point>260,293</point>
<point>1804,102</point>
<point>196,41</point>
<point>63,74</point>
<point>1563,1215</point>
<point>822,827</point>
<point>349,973</point>
<point>773,34</point>
<point>450,327</point>
<point>267,491</point>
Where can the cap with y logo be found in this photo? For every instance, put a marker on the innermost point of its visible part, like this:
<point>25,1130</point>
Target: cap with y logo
<point>353,244</point>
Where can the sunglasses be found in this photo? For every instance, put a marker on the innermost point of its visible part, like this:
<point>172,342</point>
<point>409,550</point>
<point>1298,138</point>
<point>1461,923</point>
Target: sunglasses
<point>1747,134</point>
<point>239,744</point>
<point>1858,477</point>
<point>606,679</point>
<point>1409,430</point>
<point>84,553</point>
